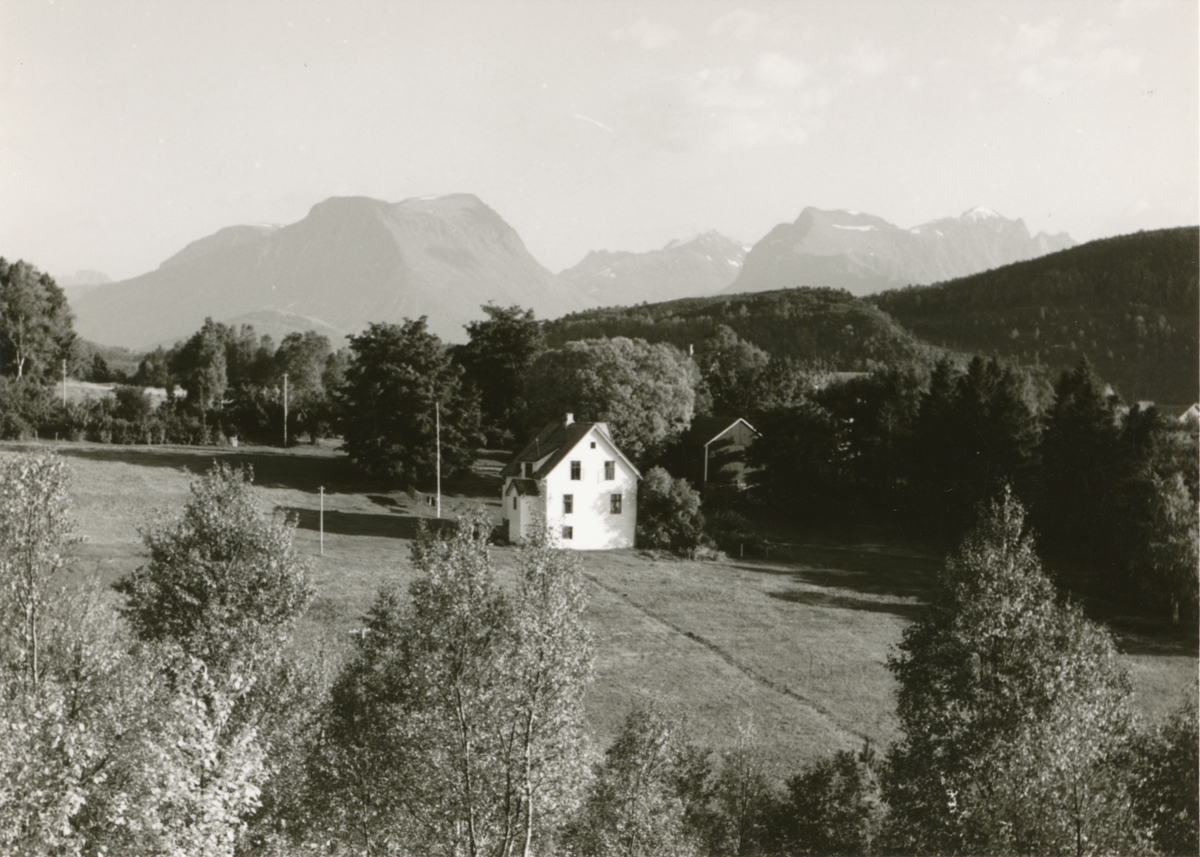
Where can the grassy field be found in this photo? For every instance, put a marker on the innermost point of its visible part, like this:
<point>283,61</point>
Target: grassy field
<point>795,644</point>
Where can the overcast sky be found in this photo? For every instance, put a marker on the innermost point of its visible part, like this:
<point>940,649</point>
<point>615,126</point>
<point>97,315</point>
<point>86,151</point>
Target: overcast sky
<point>128,129</point>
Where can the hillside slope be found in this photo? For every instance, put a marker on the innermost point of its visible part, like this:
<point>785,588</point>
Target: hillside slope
<point>863,253</point>
<point>703,266</point>
<point>351,261</point>
<point>826,325</point>
<point>1129,304</point>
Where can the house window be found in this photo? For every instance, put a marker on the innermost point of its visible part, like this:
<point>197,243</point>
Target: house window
<point>568,532</point>
<point>593,444</point>
<point>614,504</point>
<point>568,504</point>
<point>610,470</point>
<point>576,470</point>
<point>514,502</point>
<point>528,468</point>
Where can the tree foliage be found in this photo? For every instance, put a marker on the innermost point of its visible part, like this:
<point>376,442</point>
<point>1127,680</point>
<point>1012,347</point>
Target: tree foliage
<point>731,370</point>
<point>500,350</point>
<point>669,516</point>
<point>35,322</point>
<point>638,804</point>
<point>397,375</point>
<point>1167,793</point>
<point>304,358</point>
<point>458,726</point>
<point>832,807</point>
<point>223,582</point>
<point>646,393</point>
<point>107,747</point>
<point>36,533</point>
<point>1014,712</point>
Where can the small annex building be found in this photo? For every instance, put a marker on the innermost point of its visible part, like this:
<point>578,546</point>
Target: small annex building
<point>573,480</point>
<point>715,449</point>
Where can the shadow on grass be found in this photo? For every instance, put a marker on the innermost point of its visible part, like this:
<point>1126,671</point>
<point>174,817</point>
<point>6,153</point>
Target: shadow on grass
<point>909,611</point>
<point>300,470</point>
<point>866,569</point>
<point>390,526</point>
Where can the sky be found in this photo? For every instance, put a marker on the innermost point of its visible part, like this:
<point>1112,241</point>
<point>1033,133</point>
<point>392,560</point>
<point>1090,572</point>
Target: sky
<point>129,129</point>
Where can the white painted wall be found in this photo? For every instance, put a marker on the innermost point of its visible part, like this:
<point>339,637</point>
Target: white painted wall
<point>594,526</point>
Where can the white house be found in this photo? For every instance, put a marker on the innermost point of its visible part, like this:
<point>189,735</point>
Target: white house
<point>573,480</point>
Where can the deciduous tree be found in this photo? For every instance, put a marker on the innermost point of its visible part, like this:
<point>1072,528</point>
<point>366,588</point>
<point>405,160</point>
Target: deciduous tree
<point>500,350</point>
<point>397,375</point>
<point>303,356</point>
<point>36,533</point>
<point>1014,712</point>
<point>646,393</point>
<point>223,582</point>
<point>35,321</point>
<point>458,726</point>
<point>669,516</point>
<point>638,804</point>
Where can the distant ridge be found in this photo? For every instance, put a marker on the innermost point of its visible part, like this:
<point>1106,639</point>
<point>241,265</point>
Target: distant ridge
<point>702,266</point>
<point>1129,304</point>
<point>351,261</point>
<point>864,254</point>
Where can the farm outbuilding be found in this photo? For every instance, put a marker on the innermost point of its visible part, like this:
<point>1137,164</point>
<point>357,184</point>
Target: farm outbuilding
<point>715,449</point>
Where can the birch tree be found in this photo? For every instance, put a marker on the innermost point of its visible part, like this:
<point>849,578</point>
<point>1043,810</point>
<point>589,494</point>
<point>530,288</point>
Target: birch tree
<point>36,533</point>
<point>457,729</point>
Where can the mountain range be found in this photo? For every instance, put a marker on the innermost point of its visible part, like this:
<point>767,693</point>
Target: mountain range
<point>351,261</point>
<point>703,266</point>
<point>864,254</point>
<point>355,260</point>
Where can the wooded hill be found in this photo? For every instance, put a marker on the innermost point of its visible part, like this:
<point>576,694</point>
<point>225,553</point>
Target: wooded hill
<point>829,327</point>
<point>1129,304</point>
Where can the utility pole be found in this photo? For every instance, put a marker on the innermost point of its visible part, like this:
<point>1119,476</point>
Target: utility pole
<point>437,410</point>
<point>322,520</point>
<point>64,382</point>
<point>285,410</point>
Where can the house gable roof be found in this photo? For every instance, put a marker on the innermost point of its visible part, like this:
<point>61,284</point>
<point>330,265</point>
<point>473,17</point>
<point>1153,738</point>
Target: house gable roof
<point>705,430</point>
<point>523,487</point>
<point>557,440</point>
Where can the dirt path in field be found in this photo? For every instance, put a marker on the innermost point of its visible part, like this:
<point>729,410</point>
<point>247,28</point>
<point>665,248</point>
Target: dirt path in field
<point>747,671</point>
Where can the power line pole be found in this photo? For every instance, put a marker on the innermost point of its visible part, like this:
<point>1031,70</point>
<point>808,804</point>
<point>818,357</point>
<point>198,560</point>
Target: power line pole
<point>437,410</point>
<point>285,403</point>
<point>64,382</point>
<point>322,520</point>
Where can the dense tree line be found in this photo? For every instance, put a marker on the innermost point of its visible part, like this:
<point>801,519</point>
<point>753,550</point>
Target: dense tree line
<point>829,326</point>
<point>1112,488</point>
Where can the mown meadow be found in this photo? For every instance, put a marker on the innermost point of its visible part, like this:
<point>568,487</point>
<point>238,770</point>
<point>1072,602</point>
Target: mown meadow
<point>794,643</point>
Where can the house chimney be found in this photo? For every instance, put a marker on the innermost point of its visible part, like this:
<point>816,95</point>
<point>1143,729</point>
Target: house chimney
<point>570,419</point>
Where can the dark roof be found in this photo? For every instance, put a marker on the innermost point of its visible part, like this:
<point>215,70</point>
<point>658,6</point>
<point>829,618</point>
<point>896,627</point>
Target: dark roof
<point>557,440</point>
<point>524,487</point>
<point>705,430</point>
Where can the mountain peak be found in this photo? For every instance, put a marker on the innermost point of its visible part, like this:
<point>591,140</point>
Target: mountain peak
<point>351,261</point>
<point>701,265</point>
<point>863,253</point>
<point>980,213</point>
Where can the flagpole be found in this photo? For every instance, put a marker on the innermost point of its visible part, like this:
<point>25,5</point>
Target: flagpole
<point>437,410</point>
<point>285,403</point>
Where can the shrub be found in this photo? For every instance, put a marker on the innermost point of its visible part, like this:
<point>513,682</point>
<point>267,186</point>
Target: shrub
<point>669,516</point>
